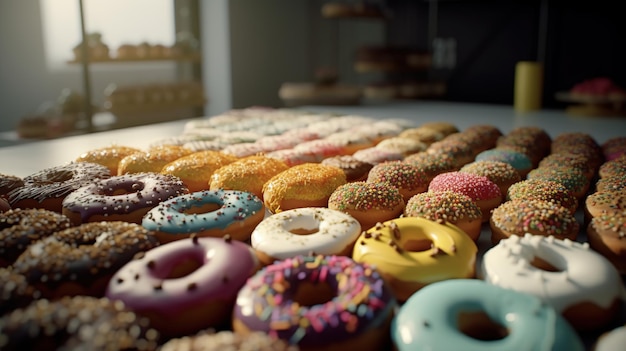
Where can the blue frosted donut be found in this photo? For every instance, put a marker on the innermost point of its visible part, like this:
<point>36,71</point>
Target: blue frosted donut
<point>214,213</point>
<point>521,162</point>
<point>469,314</point>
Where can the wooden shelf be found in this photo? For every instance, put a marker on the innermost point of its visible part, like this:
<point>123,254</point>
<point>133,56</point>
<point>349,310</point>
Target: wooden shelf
<point>187,58</point>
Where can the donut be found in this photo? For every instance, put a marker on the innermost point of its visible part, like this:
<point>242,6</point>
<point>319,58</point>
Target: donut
<point>606,234</point>
<point>483,191</point>
<point>431,164</point>
<point>80,260</point>
<point>567,140</point>
<point>530,136</point>
<point>408,179</point>
<point>593,155</point>
<point>355,170</point>
<point>47,188</point>
<point>445,128</point>
<point>412,252</point>
<point>611,183</point>
<point>573,179</point>
<point>546,190</point>
<point>614,148</point>
<point>20,227</point>
<point>460,151</point>
<point>405,146</point>
<point>317,303</point>
<point>15,291</point>
<point>447,207</point>
<point>108,156</point>
<point>518,160</point>
<point>302,231</point>
<point>611,340</point>
<point>578,282</point>
<point>152,160</point>
<point>9,182</point>
<point>376,155</point>
<point>125,198</point>
<point>212,213</point>
<point>368,202</point>
<point>424,134</point>
<point>227,340</point>
<point>247,174</point>
<point>612,168</point>
<point>196,169</point>
<point>76,323</point>
<point>4,205</point>
<point>471,315</point>
<point>293,157</point>
<point>568,160</point>
<point>501,173</point>
<point>537,217</point>
<point>351,141</point>
<point>305,185</point>
<point>185,285</point>
<point>604,203</point>
<point>488,134</point>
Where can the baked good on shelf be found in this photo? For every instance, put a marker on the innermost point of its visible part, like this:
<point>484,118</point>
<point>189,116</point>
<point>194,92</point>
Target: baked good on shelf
<point>227,340</point>
<point>109,156</point>
<point>247,174</point>
<point>294,94</point>
<point>546,190</point>
<point>408,179</point>
<point>501,173</point>
<point>355,169</point>
<point>606,234</point>
<point>196,169</point>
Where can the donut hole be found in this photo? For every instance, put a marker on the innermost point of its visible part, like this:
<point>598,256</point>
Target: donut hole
<point>201,209</point>
<point>303,231</point>
<point>544,265</point>
<point>417,245</point>
<point>184,267</point>
<point>59,176</point>
<point>478,325</point>
<point>311,294</point>
<point>123,189</point>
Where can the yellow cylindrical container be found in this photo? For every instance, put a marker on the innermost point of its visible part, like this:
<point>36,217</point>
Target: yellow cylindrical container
<point>528,86</point>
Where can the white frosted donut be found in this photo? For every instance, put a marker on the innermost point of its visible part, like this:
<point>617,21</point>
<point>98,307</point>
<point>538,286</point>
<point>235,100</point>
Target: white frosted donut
<point>304,230</point>
<point>573,276</point>
<point>612,340</point>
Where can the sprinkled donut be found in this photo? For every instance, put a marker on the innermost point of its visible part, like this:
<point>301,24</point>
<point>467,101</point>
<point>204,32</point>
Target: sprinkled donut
<point>196,169</point>
<point>611,183</point>
<point>546,190</point>
<point>247,174</point>
<point>604,203</point>
<point>606,234</point>
<point>408,179</point>
<point>301,231</point>
<point>460,151</point>
<point>578,282</point>
<point>471,315</point>
<point>317,303</point>
<point>612,168</point>
<point>411,252</point>
<point>121,198</point>
<point>80,260</point>
<point>15,291</point>
<point>77,323</point>
<point>206,213</point>
<point>431,164</point>
<point>368,202</point>
<point>186,285</point>
<point>447,207</point>
<point>227,340</point>
<point>355,170</point>
<point>20,227</point>
<point>151,160</point>
<point>47,188</point>
<point>501,173</point>
<point>9,182</point>
<point>483,191</point>
<point>537,217</point>
<point>521,162</point>
<point>108,156</point>
<point>376,155</point>
<point>305,185</point>
<point>572,178</point>
<point>568,160</point>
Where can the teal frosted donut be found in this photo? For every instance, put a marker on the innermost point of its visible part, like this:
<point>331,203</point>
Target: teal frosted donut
<point>212,213</point>
<point>521,162</point>
<point>469,314</point>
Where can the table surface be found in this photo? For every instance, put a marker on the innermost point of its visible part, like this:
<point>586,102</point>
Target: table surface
<point>24,159</point>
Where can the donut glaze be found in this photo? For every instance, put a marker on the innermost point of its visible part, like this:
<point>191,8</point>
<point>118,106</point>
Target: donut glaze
<point>328,232</point>
<point>121,198</point>
<point>360,303</point>
<point>230,212</point>
<point>196,169</point>
<point>156,285</point>
<point>411,252</point>
<point>518,160</point>
<point>247,174</point>
<point>432,320</point>
<point>109,156</point>
<point>580,276</point>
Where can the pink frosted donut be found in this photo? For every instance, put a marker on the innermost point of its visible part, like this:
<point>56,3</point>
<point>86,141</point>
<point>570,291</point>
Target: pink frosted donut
<point>483,191</point>
<point>186,285</point>
<point>375,155</point>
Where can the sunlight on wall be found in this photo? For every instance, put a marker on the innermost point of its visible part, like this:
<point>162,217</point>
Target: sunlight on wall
<point>119,22</point>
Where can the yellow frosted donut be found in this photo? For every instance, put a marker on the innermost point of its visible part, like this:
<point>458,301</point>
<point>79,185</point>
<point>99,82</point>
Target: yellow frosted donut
<point>152,160</point>
<point>411,252</point>
<point>304,185</point>
<point>247,174</point>
<point>196,169</point>
<point>108,156</point>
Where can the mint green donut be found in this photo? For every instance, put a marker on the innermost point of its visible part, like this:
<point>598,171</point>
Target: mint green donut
<point>428,319</point>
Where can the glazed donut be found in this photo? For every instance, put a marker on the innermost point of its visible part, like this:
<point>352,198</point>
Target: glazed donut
<point>612,340</point>
<point>483,191</point>
<point>578,282</point>
<point>247,174</point>
<point>546,190</point>
<point>124,198</point>
<point>537,217</point>
<point>76,323</point>
<point>186,285</point>
<point>15,291</point>
<point>317,303</point>
<point>305,185</point>
<point>47,188</point>
<point>20,227</point>
<point>607,235</point>
<point>411,252</point>
<point>355,170</point>
<point>447,207</point>
<point>293,157</point>
<point>152,160</point>
<point>368,202</point>
<point>81,260</point>
<point>196,169</point>
<point>302,231</point>
<point>408,179</point>
<point>4,205</point>
<point>9,182</point>
<point>572,178</point>
<point>521,162</point>
<point>108,156</point>
<point>227,340</point>
<point>501,173</point>
<point>604,203</point>
<point>206,213</point>
<point>471,315</point>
